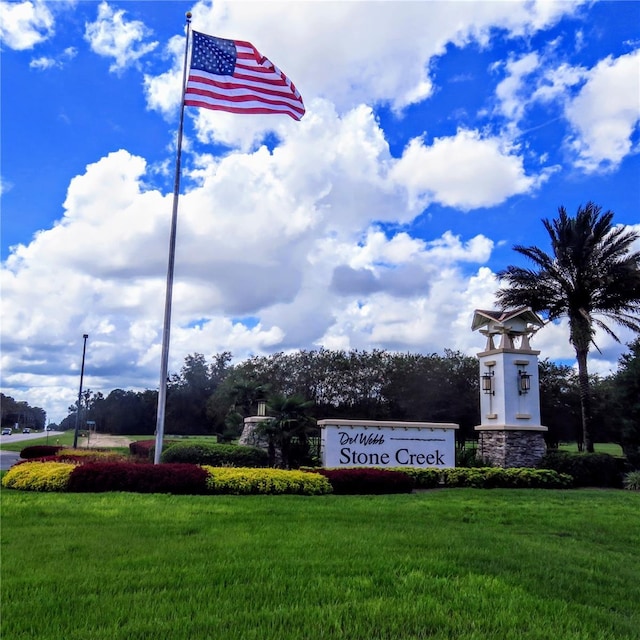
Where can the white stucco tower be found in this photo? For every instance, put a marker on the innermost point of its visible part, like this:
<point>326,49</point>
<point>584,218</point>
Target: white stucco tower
<point>510,433</point>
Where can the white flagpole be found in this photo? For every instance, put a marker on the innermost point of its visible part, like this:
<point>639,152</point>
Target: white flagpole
<point>164,366</point>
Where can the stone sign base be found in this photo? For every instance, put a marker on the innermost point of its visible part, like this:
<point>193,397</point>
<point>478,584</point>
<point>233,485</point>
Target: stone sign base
<point>511,447</point>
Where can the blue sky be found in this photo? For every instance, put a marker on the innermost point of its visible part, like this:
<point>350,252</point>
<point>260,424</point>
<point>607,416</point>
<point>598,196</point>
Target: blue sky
<point>437,136</point>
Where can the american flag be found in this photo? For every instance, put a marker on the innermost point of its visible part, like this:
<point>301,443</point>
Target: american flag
<point>231,75</point>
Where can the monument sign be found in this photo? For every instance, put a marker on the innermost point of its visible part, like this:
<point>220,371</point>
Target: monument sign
<point>367,443</point>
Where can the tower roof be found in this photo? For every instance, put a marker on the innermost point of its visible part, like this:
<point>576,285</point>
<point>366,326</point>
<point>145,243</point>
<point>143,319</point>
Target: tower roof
<point>505,320</point>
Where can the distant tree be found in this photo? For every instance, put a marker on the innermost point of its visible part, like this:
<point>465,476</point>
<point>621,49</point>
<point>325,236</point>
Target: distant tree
<point>434,388</point>
<point>234,399</point>
<point>626,398</point>
<point>189,391</point>
<point>21,413</point>
<point>590,277</point>
<point>559,402</point>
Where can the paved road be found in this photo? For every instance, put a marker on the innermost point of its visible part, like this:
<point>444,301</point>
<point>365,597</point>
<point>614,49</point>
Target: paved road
<point>21,437</point>
<point>9,458</point>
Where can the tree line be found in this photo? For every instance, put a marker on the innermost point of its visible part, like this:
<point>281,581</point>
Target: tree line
<point>21,413</point>
<point>214,397</point>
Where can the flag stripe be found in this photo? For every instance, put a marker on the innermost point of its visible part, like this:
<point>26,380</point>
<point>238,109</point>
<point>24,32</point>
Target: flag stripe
<point>256,107</point>
<point>213,97</point>
<point>255,85</point>
<point>203,86</point>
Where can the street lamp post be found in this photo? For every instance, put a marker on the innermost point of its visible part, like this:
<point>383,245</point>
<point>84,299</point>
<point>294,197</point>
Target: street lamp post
<point>75,435</point>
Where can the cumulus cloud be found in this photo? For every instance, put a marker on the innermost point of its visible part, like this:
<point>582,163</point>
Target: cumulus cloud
<point>466,171</point>
<point>283,252</point>
<point>387,60</point>
<point>601,104</point>
<point>606,113</point>
<point>112,36</point>
<point>25,24</point>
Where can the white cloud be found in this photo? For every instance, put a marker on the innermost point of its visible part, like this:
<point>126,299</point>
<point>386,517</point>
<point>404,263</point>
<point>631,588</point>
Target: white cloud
<point>44,62</point>
<point>509,91</point>
<point>606,112</point>
<point>163,91</point>
<point>114,37</point>
<point>386,59</point>
<point>466,171</point>
<point>270,252</point>
<point>25,24</point>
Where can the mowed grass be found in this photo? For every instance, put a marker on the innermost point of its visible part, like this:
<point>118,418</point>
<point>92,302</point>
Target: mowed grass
<point>453,563</point>
<point>611,448</point>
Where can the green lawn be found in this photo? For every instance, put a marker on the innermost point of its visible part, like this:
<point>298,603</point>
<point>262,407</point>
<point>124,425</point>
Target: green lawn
<point>599,447</point>
<point>452,563</point>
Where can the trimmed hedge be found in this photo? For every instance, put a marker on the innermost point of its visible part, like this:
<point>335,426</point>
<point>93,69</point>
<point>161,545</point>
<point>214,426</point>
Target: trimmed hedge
<point>216,455</point>
<point>91,455</point>
<point>145,448</point>
<point>488,478</point>
<point>39,476</point>
<point>366,481</point>
<point>183,479</point>
<point>517,478</point>
<point>239,481</point>
<point>587,469</point>
<point>424,478</point>
<point>39,451</point>
<point>83,475</point>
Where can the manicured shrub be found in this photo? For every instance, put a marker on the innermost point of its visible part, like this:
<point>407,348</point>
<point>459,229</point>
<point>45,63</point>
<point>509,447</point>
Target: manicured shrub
<point>429,478</point>
<point>39,451</point>
<point>141,478</point>
<point>587,469</point>
<point>235,480</point>
<point>90,455</point>
<point>491,477</point>
<point>216,455</point>
<point>631,481</point>
<point>38,476</point>
<point>367,481</point>
<point>146,448</point>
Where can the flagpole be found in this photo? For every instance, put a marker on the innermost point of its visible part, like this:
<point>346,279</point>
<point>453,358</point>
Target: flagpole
<point>164,366</point>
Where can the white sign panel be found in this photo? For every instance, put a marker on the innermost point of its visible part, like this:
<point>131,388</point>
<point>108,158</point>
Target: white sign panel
<point>360,443</point>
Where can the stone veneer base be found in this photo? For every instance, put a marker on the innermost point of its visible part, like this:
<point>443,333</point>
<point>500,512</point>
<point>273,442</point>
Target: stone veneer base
<point>511,448</point>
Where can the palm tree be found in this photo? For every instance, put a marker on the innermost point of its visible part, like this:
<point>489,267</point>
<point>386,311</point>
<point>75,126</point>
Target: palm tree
<point>289,429</point>
<point>591,277</point>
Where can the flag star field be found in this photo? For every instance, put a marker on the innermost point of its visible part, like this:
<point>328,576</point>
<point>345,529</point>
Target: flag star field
<point>214,55</point>
<point>354,175</point>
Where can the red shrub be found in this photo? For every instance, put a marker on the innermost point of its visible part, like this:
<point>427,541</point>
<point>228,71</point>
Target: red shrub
<point>39,451</point>
<point>144,448</point>
<point>367,481</point>
<point>186,479</point>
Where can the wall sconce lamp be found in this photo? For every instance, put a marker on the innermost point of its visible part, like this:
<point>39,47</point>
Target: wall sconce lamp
<point>524,382</point>
<point>487,383</point>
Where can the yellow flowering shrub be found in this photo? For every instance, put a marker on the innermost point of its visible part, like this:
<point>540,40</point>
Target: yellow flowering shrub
<point>91,455</point>
<point>243,480</point>
<point>38,476</point>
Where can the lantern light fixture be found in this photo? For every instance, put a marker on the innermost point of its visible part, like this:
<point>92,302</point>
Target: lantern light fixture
<point>524,382</point>
<point>487,382</point>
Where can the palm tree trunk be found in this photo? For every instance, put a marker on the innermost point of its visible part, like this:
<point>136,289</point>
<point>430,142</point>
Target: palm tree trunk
<point>585,399</point>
